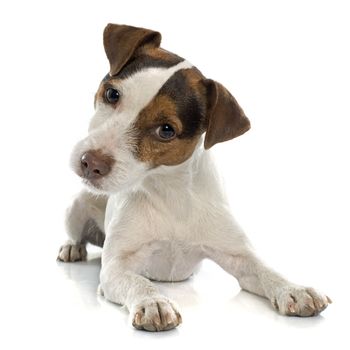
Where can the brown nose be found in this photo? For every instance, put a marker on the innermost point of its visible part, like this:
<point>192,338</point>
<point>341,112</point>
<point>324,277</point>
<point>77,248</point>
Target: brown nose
<point>95,164</point>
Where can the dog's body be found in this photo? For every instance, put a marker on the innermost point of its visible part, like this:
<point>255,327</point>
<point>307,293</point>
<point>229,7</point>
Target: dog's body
<point>160,208</point>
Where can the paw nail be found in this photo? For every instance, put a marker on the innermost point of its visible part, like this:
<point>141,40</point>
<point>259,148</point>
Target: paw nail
<point>157,321</point>
<point>137,318</point>
<point>320,304</point>
<point>291,308</point>
<point>310,305</point>
<point>169,319</point>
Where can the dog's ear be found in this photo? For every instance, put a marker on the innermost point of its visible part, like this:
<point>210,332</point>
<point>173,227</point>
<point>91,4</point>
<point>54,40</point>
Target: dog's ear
<point>121,42</point>
<point>225,119</point>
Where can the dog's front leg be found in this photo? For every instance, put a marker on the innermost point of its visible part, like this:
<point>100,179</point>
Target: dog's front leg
<point>149,310</point>
<point>84,224</point>
<point>234,254</point>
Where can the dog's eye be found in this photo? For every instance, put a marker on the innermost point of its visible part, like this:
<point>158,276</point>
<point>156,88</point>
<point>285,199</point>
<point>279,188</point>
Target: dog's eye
<point>112,95</point>
<point>165,132</point>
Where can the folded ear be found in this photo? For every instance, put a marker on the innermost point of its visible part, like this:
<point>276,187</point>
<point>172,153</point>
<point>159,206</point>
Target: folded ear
<point>225,119</point>
<point>121,42</point>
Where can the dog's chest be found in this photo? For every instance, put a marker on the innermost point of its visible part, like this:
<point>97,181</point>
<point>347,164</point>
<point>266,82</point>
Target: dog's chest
<point>154,244</point>
<point>169,260</point>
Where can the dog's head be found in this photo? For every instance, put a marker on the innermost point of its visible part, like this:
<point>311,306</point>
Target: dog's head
<point>151,110</point>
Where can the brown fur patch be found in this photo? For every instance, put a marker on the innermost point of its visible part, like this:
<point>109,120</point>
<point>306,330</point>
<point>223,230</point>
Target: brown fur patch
<point>194,79</point>
<point>95,100</point>
<point>99,96</point>
<point>161,54</point>
<point>162,110</point>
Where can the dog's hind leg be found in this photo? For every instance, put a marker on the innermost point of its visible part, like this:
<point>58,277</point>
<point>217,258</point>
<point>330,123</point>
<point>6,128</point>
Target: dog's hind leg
<point>84,224</point>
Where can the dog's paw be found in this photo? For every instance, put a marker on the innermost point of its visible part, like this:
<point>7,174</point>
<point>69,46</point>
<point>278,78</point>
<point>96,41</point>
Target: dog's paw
<point>70,252</point>
<point>300,301</point>
<point>155,314</point>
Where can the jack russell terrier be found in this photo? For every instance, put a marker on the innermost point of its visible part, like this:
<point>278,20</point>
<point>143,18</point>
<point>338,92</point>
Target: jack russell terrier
<point>153,199</point>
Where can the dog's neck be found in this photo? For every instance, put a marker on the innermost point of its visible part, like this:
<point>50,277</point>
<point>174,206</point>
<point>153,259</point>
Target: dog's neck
<point>179,187</point>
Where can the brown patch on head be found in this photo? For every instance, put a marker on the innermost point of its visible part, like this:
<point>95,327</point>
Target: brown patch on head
<point>162,110</point>
<point>194,78</point>
<point>192,105</point>
<point>100,95</point>
<point>149,57</point>
<point>161,54</point>
<point>95,99</point>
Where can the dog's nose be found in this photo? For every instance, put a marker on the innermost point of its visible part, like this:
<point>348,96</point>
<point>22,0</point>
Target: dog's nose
<point>95,164</point>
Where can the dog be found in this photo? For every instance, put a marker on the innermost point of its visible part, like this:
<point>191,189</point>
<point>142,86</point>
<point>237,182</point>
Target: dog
<point>152,198</point>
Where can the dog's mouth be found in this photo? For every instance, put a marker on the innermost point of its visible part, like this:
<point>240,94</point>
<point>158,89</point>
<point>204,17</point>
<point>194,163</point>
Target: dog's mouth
<point>93,184</point>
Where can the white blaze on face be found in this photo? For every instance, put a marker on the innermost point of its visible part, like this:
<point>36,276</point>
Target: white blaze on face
<point>137,91</point>
<point>109,127</point>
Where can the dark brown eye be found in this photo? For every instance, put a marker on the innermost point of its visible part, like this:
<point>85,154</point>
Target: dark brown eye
<point>112,95</point>
<point>166,132</point>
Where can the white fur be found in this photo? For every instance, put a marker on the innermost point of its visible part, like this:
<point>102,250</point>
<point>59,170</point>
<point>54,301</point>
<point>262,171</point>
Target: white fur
<point>160,223</point>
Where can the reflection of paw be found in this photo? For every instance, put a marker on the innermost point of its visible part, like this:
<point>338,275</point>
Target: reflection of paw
<point>300,301</point>
<point>155,314</point>
<point>70,252</point>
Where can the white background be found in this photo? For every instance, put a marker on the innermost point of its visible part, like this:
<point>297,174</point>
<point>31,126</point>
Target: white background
<point>286,62</point>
